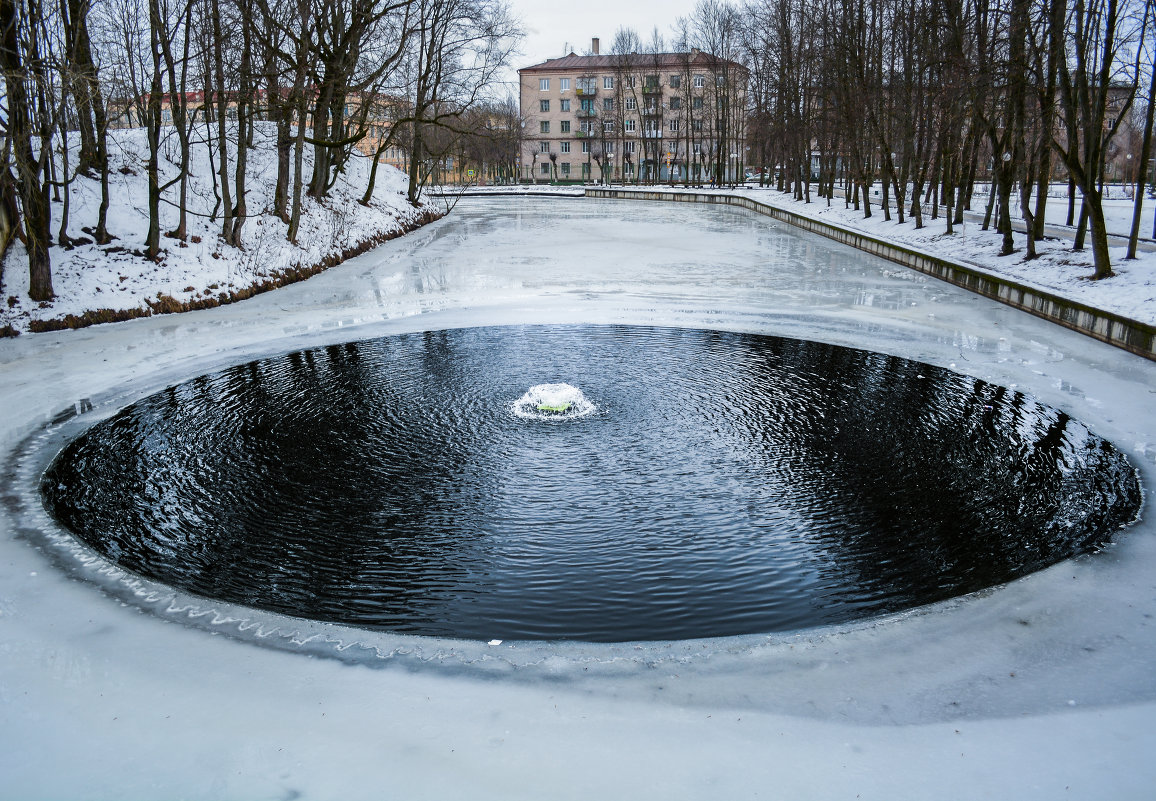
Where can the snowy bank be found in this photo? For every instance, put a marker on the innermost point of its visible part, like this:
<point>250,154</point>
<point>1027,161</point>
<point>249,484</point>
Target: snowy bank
<point>95,283</point>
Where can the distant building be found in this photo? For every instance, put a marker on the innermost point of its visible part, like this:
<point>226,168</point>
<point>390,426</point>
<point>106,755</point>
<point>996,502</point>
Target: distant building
<point>634,117</point>
<point>376,124</point>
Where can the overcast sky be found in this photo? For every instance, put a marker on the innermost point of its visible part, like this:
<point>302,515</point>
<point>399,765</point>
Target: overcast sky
<point>550,26</point>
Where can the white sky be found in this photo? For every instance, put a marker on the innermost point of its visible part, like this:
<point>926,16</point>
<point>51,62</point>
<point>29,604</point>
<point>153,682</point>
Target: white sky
<point>549,26</point>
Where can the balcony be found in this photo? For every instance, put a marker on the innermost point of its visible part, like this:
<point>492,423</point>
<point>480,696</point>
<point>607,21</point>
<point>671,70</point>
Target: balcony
<point>586,91</point>
<point>651,89</point>
<point>585,113</point>
<point>651,111</point>
<point>652,134</point>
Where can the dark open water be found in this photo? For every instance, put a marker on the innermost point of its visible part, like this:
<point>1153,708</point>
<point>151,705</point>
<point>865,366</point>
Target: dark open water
<point>724,484</point>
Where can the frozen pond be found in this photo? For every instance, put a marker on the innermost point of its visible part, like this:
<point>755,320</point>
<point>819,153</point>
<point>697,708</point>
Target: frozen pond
<point>1039,688</point>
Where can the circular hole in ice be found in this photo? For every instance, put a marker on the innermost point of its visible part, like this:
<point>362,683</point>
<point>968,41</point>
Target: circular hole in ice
<point>730,484</point>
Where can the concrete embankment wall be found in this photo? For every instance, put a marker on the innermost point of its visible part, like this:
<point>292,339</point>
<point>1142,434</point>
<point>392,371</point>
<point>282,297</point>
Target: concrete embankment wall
<point>1131,335</point>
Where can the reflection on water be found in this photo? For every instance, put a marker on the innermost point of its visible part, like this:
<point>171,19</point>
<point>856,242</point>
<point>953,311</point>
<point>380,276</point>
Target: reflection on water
<point>724,484</point>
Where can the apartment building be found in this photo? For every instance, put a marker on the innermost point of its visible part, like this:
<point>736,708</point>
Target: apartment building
<point>644,117</point>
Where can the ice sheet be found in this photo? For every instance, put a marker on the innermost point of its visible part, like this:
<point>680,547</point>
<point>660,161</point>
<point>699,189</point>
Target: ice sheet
<point>1039,689</point>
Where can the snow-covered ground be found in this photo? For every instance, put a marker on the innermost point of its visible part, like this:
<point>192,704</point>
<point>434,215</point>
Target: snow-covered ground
<point>1040,689</point>
<point>90,277</point>
<point>1059,269</point>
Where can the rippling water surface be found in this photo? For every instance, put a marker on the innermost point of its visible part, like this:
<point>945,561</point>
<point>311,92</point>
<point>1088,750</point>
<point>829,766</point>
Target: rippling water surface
<point>722,484</point>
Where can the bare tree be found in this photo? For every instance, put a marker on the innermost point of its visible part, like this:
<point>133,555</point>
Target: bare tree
<point>29,118</point>
<point>1096,35</point>
<point>456,53</point>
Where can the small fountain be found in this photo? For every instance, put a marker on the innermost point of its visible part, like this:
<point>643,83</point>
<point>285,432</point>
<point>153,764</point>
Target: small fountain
<point>553,402</point>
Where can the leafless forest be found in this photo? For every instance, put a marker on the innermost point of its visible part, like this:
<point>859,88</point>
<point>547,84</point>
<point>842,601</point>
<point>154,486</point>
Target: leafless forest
<point>404,73</point>
<point>928,97</point>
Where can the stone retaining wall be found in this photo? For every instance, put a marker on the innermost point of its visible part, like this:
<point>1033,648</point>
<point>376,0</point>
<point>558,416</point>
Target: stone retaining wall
<point>1131,335</point>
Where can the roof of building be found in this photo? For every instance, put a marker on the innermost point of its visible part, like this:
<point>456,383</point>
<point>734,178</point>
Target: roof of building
<point>637,60</point>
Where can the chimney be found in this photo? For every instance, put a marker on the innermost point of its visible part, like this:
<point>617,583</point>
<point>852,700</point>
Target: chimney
<point>594,45</point>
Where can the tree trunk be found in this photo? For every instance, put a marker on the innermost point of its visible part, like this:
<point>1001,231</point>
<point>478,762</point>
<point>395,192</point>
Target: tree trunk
<point>83,81</point>
<point>244,125</point>
<point>1100,256</point>
<point>153,237</point>
<point>33,192</point>
<point>1141,168</point>
<point>222,122</point>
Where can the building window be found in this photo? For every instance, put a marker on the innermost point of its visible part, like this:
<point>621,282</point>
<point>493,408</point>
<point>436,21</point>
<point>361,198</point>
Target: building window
<point>543,84</point>
<point>543,105</point>
<point>585,147</point>
<point>673,125</point>
<point>630,81</point>
<point>544,126</point>
<point>565,105</point>
<point>566,169</point>
<point>565,126</point>
<point>609,149</point>
<point>650,82</point>
<point>587,86</point>
<point>629,168</point>
<point>675,103</point>
<point>585,169</point>
<point>698,102</point>
<point>698,125</point>
<point>699,82</point>
<point>607,83</point>
<point>629,124</point>
<point>631,104</point>
<point>720,79</point>
<point>565,147</point>
<point>543,147</point>
<point>608,126</point>
<point>545,168</point>
<point>563,84</point>
<point>628,148</point>
<point>697,148</point>
<point>675,81</point>
<point>608,104</point>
